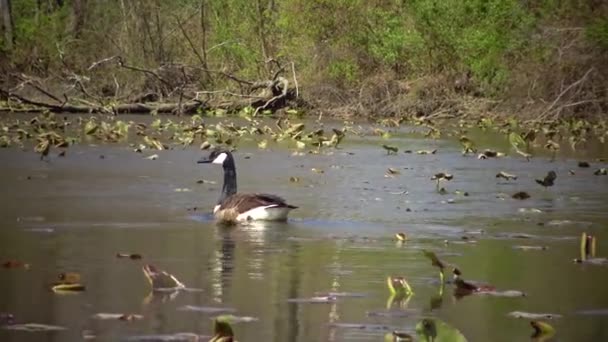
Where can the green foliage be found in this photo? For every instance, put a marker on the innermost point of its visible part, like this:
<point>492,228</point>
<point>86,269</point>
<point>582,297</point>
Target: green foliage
<point>473,35</point>
<point>341,42</point>
<point>597,33</point>
<point>344,72</point>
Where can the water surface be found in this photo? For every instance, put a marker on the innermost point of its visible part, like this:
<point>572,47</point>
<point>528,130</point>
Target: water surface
<point>75,213</point>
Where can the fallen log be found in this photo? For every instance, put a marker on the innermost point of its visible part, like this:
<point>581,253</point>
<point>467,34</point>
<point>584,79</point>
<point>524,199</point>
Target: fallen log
<point>187,107</point>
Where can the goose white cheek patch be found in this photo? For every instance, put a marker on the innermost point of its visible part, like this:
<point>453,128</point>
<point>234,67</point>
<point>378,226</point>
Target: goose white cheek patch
<point>220,159</point>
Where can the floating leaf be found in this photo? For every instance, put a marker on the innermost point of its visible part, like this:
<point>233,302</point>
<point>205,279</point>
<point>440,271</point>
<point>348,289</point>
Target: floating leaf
<point>314,300</point>
<point>117,316</point>
<point>205,145</point>
<point>521,195</point>
<point>434,259</point>
<point>5,141</point>
<point>69,278</point>
<point>293,179</point>
<point>442,176</point>
<point>505,175</point>
<point>468,146</point>
<point>43,148</point>
<point>542,331</point>
<point>315,170</point>
<point>160,279</point>
<point>205,309</point>
<point>398,336</point>
<point>601,172</point>
<point>90,127</point>
<point>549,179</point>
<point>524,154</point>
<point>400,236</point>
<point>392,171</point>
<point>530,248</point>
<point>153,142</point>
<point>423,152</point>
<point>517,141</point>
<point>152,157</point>
<point>390,149</point>
<point>71,287</point>
<point>33,327</point>
<point>434,330</point>
<point>583,164</point>
<point>134,256</point>
<point>531,315</point>
<point>236,319</point>
<point>398,286</point>
<point>15,264</point>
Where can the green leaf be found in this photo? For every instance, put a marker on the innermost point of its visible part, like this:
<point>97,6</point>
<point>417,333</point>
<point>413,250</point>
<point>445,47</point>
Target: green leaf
<point>222,330</point>
<point>542,331</point>
<point>90,127</point>
<point>517,141</point>
<point>434,330</point>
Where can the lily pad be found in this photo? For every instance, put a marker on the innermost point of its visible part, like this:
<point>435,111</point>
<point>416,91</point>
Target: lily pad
<point>341,294</point>
<point>133,256</point>
<point>33,327</point>
<point>442,176</point>
<point>15,264</point>
<point>521,195</point>
<point>398,336</point>
<point>398,286</point>
<point>435,330</point>
<point>116,316</point>
<point>401,237</point>
<point>530,248</point>
<point>160,279</point>
<point>601,172</point>
<point>531,315</point>
<point>505,175</point>
<point>548,180</point>
<point>392,171</point>
<point>423,152</point>
<point>361,326</point>
<point>237,319</point>
<point>314,300</point>
<point>205,309</point>
<point>583,164</point>
<point>542,331</point>
<point>390,149</point>
<point>61,288</point>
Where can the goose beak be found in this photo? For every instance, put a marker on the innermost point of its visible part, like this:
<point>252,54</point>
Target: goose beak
<point>204,161</point>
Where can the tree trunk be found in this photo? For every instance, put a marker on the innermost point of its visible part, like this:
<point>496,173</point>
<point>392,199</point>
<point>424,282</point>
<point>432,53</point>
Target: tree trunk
<point>79,12</point>
<point>7,23</point>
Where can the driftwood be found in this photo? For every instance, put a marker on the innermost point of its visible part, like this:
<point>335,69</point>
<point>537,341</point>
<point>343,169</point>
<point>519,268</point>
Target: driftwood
<point>270,95</point>
<point>135,108</point>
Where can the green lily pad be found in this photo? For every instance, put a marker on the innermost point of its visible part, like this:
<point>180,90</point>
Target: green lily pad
<point>542,331</point>
<point>435,330</point>
<point>398,286</point>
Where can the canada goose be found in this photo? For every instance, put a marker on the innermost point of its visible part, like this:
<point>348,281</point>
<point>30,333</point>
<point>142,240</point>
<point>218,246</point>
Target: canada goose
<point>233,207</point>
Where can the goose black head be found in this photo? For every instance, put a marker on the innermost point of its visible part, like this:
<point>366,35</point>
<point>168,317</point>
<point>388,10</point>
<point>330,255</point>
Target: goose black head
<point>217,156</point>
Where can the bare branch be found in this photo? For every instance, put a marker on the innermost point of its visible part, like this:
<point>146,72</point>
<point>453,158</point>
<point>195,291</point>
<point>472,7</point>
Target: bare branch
<point>576,83</point>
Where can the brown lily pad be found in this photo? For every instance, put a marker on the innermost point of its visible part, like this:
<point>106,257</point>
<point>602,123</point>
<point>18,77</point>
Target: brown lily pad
<point>134,256</point>
<point>15,264</point>
<point>521,195</point>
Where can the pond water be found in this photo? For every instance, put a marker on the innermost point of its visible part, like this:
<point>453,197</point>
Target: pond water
<point>73,214</point>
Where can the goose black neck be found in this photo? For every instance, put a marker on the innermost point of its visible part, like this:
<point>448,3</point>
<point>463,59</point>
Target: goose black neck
<point>229,187</point>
